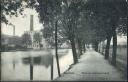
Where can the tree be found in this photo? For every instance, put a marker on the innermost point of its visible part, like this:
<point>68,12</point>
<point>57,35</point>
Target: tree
<point>10,7</point>
<point>48,34</point>
<point>67,23</point>
<point>91,28</point>
<point>68,30</point>
<point>70,15</point>
<point>26,39</point>
<point>49,13</point>
<point>122,26</point>
<point>111,11</point>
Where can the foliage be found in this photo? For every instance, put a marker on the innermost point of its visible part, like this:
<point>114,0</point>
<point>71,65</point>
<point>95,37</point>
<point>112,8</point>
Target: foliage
<point>37,37</point>
<point>26,39</point>
<point>110,11</point>
<point>88,21</point>
<point>10,7</point>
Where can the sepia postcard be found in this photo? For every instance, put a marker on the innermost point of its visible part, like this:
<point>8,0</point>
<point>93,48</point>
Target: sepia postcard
<point>63,40</point>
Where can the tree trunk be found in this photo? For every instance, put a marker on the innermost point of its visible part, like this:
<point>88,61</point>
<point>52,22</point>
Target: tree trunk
<point>79,47</point>
<point>99,48</point>
<point>40,45</point>
<point>114,48</point>
<point>84,46</point>
<point>52,67</point>
<point>0,49</point>
<point>107,47</point>
<point>56,48</point>
<point>74,51</point>
<point>103,48</point>
<point>0,63</point>
<point>96,46</point>
<point>0,52</point>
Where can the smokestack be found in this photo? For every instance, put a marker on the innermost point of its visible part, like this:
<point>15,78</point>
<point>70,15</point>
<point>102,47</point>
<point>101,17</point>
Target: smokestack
<point>13,30</point>
<point>31,23</point>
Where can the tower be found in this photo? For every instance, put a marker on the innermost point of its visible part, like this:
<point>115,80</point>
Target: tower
<point>31,23</point>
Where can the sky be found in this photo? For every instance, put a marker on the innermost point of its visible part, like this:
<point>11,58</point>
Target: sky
<point>22,23</point>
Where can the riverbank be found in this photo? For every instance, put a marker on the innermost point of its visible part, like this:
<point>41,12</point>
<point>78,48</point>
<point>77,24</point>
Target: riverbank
<point>92,67</point>
<point>31,49</point>
<point>13,63</point>
<point>22,50</point>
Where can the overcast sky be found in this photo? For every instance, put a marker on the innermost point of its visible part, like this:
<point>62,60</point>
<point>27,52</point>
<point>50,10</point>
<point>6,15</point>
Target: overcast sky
<point>22,24</point>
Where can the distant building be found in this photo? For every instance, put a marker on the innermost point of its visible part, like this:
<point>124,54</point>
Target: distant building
<point>35,44</point>
<point>10,40</point>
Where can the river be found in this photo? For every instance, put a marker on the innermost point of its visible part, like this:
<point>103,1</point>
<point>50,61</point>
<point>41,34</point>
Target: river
<point>16,65</point>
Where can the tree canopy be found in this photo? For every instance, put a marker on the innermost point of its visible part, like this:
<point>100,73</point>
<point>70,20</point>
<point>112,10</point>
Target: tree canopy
<point>80,21</point>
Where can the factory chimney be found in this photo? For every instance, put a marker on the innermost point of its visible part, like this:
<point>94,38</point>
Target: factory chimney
<point>31,23</point>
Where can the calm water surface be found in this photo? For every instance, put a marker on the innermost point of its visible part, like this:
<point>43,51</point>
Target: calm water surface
<point>16,65</point>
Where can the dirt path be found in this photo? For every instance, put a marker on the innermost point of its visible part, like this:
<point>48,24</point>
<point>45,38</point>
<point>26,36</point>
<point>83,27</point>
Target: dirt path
<point>91,67</point>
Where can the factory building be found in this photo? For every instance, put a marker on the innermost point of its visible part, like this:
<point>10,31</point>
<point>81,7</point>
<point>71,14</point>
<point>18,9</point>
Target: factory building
<point>31,32</point>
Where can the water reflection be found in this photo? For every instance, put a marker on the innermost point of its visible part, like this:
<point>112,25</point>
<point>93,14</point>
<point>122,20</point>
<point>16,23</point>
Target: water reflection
<point>14,63</point>
<point>45,60</point>
<point>20,63</point>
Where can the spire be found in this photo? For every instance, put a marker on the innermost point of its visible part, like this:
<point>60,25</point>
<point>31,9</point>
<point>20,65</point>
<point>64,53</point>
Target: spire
<point>31,23</point>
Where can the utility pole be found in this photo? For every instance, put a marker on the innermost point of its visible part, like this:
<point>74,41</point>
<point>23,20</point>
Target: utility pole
<point>56,49</point>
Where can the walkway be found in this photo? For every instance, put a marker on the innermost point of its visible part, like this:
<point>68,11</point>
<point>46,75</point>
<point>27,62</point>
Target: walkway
<point>91,67</point>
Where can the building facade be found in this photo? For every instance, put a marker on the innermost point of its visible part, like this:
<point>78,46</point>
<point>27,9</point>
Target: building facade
<point>34,44</point>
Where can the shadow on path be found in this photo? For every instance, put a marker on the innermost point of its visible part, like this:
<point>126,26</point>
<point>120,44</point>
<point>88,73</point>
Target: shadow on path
<point>92,67</point>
